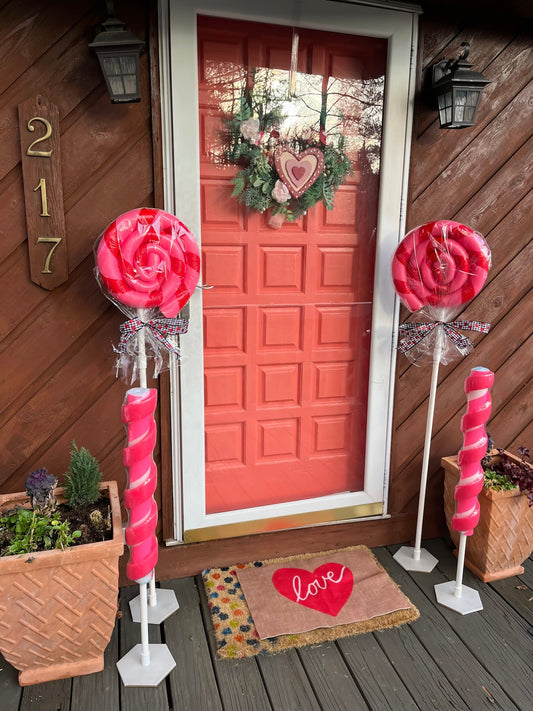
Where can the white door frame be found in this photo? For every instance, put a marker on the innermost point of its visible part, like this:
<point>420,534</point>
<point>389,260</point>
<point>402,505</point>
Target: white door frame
<point>181,169</point>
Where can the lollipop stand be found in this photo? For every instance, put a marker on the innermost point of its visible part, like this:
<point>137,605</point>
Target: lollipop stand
<point>454,594</point>
<point>145,664</point>
<point>161,603</point>
<point>418,558</point>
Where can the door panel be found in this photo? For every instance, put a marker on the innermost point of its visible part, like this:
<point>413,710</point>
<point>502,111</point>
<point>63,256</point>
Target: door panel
<point>288,321</point>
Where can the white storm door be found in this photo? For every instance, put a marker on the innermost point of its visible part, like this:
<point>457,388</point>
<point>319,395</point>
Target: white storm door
<point>196,518</point>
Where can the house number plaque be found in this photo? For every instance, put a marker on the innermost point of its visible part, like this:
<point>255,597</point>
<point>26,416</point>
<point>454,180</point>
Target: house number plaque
<point>43,192</point>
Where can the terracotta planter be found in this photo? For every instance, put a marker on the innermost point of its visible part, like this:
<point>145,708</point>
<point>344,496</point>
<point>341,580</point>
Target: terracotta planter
<point>503,538</point>
<point>58,608</point>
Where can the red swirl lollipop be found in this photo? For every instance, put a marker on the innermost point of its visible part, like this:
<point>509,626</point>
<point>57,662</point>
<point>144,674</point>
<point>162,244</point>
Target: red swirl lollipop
<point>440,264</point>
<point>147,258</point>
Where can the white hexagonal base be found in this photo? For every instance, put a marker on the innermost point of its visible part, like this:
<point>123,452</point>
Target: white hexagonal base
<point>405,557</point>
<point>133,673</point>
<point>166,605</point>
<point>467,603</point>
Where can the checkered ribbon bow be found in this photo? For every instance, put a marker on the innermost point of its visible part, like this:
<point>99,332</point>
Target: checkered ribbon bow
<point>413,333</point>
<point>160,328</point>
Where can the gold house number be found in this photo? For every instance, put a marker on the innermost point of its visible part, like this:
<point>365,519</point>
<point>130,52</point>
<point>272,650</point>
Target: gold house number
<point>43,192</point>
<point>55,241</point>
<point>31,151</point>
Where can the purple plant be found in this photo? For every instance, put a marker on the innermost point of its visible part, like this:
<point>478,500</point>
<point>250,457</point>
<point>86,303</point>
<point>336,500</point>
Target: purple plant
<point>40,488</point>
<point>519,473</point>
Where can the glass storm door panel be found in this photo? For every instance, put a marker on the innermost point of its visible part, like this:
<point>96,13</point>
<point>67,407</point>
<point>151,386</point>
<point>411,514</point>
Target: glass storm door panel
<point>281,406</point>
<point>288,319</point>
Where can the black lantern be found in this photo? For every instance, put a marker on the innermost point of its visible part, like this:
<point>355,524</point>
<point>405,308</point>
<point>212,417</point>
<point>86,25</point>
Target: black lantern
<point>118,52</point>
<point>457,89</point>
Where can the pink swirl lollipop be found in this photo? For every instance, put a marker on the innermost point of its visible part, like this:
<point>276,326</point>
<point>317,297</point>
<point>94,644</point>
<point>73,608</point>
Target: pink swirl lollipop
<point>440,264</point>
<point>473,450</point>
<point>147,258</point>
<point>138,416</point>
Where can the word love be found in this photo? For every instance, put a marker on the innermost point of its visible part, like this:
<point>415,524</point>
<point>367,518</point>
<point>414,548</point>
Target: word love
<point>326,589</point>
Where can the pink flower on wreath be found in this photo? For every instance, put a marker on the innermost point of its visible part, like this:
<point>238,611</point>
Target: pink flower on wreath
<point>250,130</point>
<point>280,193</point>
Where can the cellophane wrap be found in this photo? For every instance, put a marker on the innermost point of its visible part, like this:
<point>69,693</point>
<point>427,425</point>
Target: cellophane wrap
<point>438,268</point>
<point>148,265</point>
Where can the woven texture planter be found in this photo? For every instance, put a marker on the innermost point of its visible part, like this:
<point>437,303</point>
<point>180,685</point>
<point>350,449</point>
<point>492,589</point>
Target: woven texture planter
<point>58,608</point>
<point>503,538</point>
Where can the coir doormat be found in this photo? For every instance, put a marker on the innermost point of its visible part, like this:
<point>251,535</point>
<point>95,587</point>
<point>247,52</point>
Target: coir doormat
<point>273,605</point>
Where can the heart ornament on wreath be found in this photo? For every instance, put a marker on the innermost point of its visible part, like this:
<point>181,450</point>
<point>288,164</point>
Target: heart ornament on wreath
<point>298,170</point>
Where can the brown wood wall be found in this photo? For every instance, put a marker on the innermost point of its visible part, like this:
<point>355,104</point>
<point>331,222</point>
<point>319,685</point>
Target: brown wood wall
<point>480,176</point>
<point>56,358</point>
<point>57,381</point>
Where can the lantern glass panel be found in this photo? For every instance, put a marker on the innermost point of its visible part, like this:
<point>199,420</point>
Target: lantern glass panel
<point>121,75</point>
<point>460,103</point>
<point>445,107</point>
<point>465,105</point>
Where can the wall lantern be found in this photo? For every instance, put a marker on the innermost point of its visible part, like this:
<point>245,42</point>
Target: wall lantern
<point>457,89</point>
<point>118,52</point>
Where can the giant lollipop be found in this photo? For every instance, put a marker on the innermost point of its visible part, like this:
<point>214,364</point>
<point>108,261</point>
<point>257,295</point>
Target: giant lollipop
<point>147,259</point>
<point>441,264</point>
<point>148,264</point>
<point>437,267</point>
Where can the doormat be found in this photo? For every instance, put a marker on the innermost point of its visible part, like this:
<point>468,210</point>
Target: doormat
<point>274,605</point>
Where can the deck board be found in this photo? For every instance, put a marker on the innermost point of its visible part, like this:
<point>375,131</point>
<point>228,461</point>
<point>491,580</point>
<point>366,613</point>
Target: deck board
<point>331,678</point>
<point>239,681</point>
<point>441,661</point>
<point>457,664</point>
<point>286,682</point>
<point>427,685</point>
<point>375,675</point>
<point>49,696</point>
<point>101,691</point>
<point>486,631</point>
<point>516,592</point>
<point>193,684</point>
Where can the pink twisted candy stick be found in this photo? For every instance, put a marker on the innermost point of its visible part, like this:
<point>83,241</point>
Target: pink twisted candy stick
<point>473,450</point>
<point>147,258</point>
<point>138,415</point>
<point>440,264</point>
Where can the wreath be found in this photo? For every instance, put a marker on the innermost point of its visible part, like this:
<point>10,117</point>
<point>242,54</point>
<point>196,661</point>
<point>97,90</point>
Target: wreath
<point>287,175</point>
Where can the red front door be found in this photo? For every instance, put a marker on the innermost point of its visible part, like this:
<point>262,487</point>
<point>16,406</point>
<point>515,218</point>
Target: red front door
<point>287,323</point>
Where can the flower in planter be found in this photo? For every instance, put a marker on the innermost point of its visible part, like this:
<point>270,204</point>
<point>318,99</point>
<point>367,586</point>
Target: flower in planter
<point>41,527</point>
<point>40,488</point>
<point>508,473</point>
<point>47,525</point>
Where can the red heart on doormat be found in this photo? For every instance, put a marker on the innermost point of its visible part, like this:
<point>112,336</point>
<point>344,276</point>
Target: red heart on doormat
<point>326,589</point>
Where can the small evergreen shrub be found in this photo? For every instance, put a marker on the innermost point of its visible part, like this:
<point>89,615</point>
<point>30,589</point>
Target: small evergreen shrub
<point>82,480</point>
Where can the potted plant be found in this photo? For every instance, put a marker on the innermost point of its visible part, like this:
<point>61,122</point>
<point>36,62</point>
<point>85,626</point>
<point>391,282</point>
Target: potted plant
<point>503,538</point>
<point>59,553</point>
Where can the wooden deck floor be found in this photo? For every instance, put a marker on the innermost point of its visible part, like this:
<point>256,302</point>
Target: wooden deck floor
<point>442,661</point>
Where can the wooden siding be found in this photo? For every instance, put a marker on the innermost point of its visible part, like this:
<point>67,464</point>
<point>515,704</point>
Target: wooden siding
<point>56,360</point>
<point>479,176</point>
